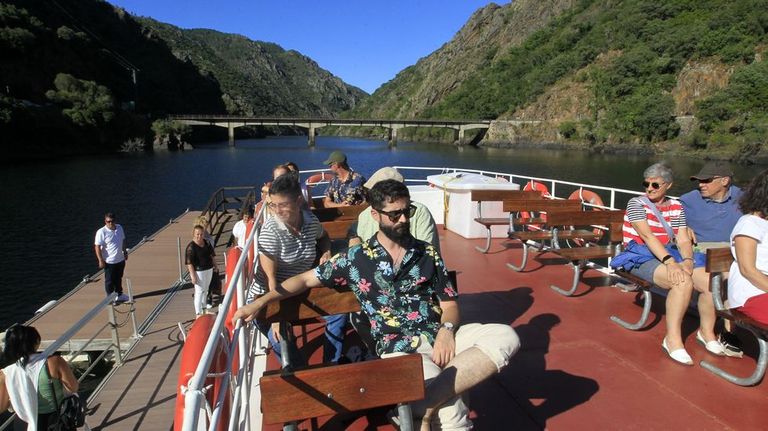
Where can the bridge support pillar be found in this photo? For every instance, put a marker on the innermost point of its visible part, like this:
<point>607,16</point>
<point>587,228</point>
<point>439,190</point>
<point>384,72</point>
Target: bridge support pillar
<point>231,134</point>
<point>459,136</point>
<point>311,136</point>
<point>392,137</point>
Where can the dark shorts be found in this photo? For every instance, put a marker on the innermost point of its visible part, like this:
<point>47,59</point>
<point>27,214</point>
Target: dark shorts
<point>646,270</point>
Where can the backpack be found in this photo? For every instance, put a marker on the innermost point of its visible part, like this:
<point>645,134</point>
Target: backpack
<point>70,413</point>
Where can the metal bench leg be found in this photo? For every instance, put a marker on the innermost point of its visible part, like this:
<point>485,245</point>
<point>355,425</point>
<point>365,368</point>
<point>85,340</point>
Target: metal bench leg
<point>643,317</point>
<point>405,416</point>
<point>762,361</point>
<point>524,261</point>
<point>487,242</point>
<point>577,268</point>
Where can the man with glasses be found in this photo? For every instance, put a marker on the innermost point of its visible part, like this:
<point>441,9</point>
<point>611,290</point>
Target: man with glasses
<point>712,211</point>
<point>112,253</point>
<point>346,188</point>
<point>403,287</point>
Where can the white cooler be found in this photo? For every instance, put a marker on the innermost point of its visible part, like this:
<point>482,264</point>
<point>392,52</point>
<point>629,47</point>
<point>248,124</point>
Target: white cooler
<point>432,198</point>
<point>461,211</point>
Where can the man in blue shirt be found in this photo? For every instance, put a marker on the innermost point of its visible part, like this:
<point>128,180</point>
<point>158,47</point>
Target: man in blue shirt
<point>712,210</point>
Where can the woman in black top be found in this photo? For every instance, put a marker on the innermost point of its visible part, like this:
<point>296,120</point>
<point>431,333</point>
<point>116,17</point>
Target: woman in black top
<point>200,263</point>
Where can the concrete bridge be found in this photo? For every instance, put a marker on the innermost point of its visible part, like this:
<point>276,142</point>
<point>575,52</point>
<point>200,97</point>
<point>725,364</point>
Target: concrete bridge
<point>312,124</point>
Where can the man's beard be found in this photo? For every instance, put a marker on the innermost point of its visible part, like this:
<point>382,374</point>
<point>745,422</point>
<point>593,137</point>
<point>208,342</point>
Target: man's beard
<point>399,234</point>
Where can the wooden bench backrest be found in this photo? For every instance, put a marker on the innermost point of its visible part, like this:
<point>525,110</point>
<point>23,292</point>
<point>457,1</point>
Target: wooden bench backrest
<point>311,304</point>
<point>614,219</point>
<point>545,205</point>
<point>503,195</point>
<point>719,259</point>
<point>338,229</point>
<point>345,388</point>
<point>339,213</point>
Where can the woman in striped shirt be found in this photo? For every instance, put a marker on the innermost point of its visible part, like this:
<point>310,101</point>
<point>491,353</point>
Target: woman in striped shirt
<point>674,273</point>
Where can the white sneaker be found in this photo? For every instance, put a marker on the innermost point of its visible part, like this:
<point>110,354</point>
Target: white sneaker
<point>208,306</point>
<point>122,298</point>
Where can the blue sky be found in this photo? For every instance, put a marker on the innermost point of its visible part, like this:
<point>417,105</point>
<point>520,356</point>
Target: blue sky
<point>365,43</point>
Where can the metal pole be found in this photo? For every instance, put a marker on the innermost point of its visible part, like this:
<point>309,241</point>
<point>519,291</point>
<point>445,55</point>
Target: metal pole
<point>115,335</point>
<point>178,248</point>
<point>133,309</point>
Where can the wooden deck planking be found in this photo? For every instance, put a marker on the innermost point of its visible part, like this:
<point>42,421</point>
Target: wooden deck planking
<point>141,394</point>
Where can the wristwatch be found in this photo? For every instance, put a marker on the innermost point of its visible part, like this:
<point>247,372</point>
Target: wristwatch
<point>447,325</point>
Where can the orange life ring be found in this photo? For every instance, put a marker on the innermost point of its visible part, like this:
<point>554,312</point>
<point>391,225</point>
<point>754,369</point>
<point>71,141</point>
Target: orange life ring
<point>535,185</point>
<point>592,198</point>
<point>230,260</point>
<point>190,357</point>
<point>313,180</point>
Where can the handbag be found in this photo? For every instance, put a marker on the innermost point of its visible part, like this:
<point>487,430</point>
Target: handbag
<point>70,413</point>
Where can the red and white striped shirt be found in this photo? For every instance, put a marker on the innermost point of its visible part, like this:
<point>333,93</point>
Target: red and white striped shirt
<point>671,210</point>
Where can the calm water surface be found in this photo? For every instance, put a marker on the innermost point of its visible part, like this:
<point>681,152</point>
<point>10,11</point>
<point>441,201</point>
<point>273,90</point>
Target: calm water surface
<point>51,210</point>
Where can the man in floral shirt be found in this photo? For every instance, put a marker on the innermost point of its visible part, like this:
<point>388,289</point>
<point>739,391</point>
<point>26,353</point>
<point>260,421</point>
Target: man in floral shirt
<point>346,188</point>
<point>403,288</point>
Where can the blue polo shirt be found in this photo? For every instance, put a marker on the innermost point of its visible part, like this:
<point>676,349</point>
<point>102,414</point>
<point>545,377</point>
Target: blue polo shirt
<point>712,221</point>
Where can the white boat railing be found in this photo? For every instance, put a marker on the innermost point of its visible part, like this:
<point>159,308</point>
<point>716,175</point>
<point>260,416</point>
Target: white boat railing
<point>195,404</point>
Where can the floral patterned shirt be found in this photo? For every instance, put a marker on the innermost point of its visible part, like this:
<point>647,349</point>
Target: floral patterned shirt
<point>402,304</point>
<point>349,191</point>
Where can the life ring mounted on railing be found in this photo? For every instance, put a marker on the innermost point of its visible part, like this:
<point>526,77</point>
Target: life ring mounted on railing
<point>535,185</point>
<point>314,180</point>
<point>594,203</point>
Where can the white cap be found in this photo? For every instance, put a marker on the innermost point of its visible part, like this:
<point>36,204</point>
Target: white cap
<point>382,174</point>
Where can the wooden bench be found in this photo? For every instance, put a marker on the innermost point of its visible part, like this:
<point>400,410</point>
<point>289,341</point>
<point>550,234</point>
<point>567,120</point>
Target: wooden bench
<point>481,196</point>
<point>290,395</point>
<point>719,261</point>
<point>539,236</point>
<point>579,256</point>
<point>339,213</point>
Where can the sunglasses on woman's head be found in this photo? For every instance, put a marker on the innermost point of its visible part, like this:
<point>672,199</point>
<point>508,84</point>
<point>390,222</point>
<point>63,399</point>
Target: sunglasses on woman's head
<point>654,185</point>
<point>394,216</point>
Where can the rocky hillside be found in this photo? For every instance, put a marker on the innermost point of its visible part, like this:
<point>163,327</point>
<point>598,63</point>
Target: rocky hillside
<point>673,76</point>
<point>258,77</point>
<point>487,36</point>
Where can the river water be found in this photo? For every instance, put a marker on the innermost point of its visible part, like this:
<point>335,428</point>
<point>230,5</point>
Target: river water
<point>52,209</point>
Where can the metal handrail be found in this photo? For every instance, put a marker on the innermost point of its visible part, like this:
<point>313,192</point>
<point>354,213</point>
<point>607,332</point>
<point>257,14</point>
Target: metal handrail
<point>74,329</point>
<point>194,397</point>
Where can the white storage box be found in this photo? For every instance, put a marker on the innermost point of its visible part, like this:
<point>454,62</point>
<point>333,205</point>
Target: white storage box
<point>432,198</point>
<point>461,211</point>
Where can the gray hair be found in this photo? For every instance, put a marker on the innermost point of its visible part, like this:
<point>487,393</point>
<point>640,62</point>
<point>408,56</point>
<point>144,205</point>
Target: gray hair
<point>659,170</point>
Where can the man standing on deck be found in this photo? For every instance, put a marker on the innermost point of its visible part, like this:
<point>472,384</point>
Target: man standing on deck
<point>112,254</point>
<point>346,188</point>
<point>403,287</point>
<point>712,211</point>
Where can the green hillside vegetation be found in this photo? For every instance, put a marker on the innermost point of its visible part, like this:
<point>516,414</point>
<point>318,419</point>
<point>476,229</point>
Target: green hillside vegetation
<point>259,78</point>
<point>81,76</point>
<point>630,98</point>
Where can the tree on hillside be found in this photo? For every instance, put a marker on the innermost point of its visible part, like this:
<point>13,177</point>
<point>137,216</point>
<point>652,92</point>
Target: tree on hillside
<point>90,104</point>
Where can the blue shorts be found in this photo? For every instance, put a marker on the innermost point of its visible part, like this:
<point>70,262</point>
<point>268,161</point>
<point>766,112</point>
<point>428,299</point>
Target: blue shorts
<point>646,270</point>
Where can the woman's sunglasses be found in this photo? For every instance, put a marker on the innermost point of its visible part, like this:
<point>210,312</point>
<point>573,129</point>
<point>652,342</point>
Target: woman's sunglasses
<point>394,216</point>
<point>654,185</point>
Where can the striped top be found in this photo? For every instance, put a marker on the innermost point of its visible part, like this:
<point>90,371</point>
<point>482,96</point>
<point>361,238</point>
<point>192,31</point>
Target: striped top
<point>671,210</point>
<point>293,254</point>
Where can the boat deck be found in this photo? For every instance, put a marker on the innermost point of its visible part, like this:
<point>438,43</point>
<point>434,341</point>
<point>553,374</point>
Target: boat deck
<point>576,368</point>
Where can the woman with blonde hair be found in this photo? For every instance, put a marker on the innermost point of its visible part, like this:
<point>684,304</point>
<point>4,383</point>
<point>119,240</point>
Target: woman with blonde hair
<point>200,263</point>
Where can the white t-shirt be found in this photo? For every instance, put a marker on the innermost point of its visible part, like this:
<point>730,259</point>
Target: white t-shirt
<point>739,288</point>
<point>239,233</point>
<point>111,242</point>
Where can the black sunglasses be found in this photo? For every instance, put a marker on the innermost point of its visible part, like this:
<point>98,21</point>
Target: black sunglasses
<point>394,216</point>
<point>655,186</point>
<point>709,180</point>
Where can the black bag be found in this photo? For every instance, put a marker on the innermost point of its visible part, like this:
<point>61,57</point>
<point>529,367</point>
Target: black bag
<point>70,413</point>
